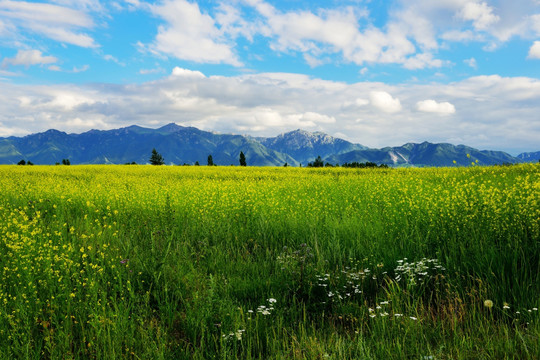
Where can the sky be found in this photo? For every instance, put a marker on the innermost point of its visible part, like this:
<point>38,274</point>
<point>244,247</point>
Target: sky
<point>378,73</point>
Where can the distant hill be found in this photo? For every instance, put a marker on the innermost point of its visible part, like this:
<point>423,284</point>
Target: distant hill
<point>177,144</point>
<point>529,156</point>
<point>305,146</point>
<point>425,154</point>
<point>187,145</point>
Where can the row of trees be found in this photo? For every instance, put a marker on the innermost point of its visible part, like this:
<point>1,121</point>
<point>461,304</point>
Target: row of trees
<point>157,159</point>
<point>320,163</point>
<point>24,162</point>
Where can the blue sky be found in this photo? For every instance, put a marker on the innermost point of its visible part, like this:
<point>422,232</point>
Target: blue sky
<point>379,73</point>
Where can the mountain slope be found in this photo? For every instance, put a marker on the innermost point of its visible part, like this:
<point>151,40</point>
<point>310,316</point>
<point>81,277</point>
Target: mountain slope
<point>179,145</point>
<point>426,154</point>
<point>305,146</point>
<point>530,156</point>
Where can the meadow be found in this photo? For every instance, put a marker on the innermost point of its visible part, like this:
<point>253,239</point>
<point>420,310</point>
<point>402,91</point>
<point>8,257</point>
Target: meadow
<point>159,262</point>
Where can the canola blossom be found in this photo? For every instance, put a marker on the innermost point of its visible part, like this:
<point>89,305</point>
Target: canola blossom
<point>167,254</point>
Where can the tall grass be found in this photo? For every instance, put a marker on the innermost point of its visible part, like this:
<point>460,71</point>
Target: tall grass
<point>269,263</point>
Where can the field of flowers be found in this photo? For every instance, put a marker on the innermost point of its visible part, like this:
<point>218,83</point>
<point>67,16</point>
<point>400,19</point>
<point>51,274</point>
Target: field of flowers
<point>148,262</point>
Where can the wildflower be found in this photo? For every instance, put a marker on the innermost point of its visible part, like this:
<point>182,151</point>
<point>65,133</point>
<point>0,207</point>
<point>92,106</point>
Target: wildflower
<point>413,318</point>
<point>488,304</point>
<point>506,306</point>
<point>272,300</point>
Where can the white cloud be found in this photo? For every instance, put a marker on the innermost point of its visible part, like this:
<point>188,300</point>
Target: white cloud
<point>422,61</point>
<point>481,14</point>
<point>384,101</point>
<point>84,5</point>
<point>535,20</point>
<point>113,59</point>
<point>317,118</point>
<point>180,72</point>
<point>462,36</point>
<point>431,106</point>
<point>190,34</point>
<point>494,112</point>
<point>55,22</point>
<point>80,69</point>
<point>346,31</point>
<point>534,51</point>
<point>471,62</point>
<point>75,69</point>
<point>28,58</point>
<point>157,70</point>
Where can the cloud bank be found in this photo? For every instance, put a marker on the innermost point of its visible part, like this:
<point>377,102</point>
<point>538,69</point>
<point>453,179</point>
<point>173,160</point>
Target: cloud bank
<point>494,112</point>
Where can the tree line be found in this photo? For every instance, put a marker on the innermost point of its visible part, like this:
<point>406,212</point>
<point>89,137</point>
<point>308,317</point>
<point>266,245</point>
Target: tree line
<point>157,159</point>
<point>318,162</point>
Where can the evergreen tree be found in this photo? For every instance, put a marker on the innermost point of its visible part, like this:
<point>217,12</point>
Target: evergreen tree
<point>242,159</point>
<point>66,162</point>
<point>22,162</point>
<point>156,158</point>
<point>317,163</point>
<point>210,160</point>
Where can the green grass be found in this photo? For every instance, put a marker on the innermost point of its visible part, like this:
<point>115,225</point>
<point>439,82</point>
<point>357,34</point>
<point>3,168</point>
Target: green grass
<point>148,262</point>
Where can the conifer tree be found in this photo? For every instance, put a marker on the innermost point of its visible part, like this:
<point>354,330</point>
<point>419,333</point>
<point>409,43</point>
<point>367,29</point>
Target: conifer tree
<point>242,159</point>
<point>156,158</point>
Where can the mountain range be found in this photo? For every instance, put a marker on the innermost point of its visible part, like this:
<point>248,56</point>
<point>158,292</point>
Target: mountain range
<point>188,145</point>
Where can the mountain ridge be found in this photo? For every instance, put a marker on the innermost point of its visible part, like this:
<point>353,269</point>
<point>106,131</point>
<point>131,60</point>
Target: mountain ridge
<point>188,145</point>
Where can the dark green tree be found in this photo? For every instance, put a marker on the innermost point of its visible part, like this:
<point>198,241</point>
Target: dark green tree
<point>210,160</point>
<point>317,163</point>
<point>156,158</point>
<point>22,162</point>
<point>66,162</point>
<point>242,159</point>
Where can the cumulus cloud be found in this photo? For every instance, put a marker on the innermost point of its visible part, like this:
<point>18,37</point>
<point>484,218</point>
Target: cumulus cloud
<point>178,71</point>
<point>384,101</point>
<point>534,51</point>
<point>481,15</point>
<point>431,106</point>
<point>189,34</point>
<point>422,61</point>
<point>28,58</point>
<point>494,112</point>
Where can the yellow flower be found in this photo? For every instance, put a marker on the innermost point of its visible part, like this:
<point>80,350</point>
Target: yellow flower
<point>488,304</point>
